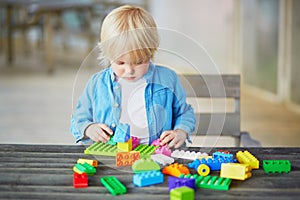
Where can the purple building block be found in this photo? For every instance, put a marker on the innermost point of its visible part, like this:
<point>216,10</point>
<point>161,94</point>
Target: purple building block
<point>163,150</point>
<point>135,142</point>
<point>122,133</point>
<point>175,182</point>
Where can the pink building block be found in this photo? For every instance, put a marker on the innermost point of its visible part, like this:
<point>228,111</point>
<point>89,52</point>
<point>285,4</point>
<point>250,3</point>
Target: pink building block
<point>164,150</point>
<point>135,142</point>
<point>156,142</point>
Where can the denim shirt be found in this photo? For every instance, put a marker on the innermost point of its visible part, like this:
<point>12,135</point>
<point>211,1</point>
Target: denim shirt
<point>165,103</point>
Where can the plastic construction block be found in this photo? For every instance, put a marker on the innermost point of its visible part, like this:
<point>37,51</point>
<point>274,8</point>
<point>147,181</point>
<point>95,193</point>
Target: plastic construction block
<point>125,146</point>
<point>145,164</point>
<point>111,141</point>
<point>175,182</point>
<point>122,133</point>
<point>156,142</point>
<point>135,142</point>
<point>126,158</point>
<point>113,185</point>
<point>203,170</point>
<point>163,150</point>
<point>148,178</point>
<point>80,180</point>
<point>100,148</point>
<point>175,169</point>
<point>187,154</point>
<point>236,171</point>
<point>247,158</point>
<point>218,155</point>
<point>162,159</point>
<point>182,193</point>
<point>213,182</point>
<point>214,164</point>
<point>145,150</point>
<point>277,166</point>
<point>94,163</point>
<point>84,168</point>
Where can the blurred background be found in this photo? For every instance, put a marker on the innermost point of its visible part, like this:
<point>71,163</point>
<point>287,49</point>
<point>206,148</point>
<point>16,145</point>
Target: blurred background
<point>43,44</point>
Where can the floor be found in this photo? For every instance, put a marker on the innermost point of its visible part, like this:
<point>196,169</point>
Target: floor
<point>36,107</point>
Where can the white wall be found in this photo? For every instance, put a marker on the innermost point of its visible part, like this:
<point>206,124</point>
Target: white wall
<point>208,22</point>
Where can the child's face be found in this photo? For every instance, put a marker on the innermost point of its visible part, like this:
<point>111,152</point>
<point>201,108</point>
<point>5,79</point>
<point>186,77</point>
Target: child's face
<point>123,68</point>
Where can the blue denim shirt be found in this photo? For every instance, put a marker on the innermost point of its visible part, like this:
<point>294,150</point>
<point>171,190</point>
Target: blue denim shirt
<point>165,103</point>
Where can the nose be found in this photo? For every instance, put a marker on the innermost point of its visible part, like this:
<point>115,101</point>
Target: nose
<point>129,69</point>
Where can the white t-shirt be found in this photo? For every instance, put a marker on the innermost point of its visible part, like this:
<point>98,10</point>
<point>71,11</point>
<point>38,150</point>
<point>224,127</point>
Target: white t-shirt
<point>133,110</point>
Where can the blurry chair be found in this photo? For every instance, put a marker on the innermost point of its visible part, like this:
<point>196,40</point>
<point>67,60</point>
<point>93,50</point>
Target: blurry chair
<point>216,123</point>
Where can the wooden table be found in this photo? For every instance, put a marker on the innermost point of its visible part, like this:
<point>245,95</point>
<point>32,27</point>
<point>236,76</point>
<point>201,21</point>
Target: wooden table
<point>45,171</point>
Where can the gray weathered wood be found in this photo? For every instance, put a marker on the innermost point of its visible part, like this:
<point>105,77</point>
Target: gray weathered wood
<point>27,174</point>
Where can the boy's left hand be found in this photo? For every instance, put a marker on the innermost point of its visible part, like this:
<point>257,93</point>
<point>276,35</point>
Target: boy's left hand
<point>177,138</point>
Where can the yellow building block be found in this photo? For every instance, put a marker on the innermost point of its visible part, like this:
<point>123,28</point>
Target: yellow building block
<point>247,158</point>
<point>125,146</point>
<point>235,171</point>
<point>88,161</point>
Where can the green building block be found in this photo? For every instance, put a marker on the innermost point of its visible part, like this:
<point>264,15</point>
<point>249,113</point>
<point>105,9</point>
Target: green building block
<point>209,182</point>
<point>100,148</point>
<point>113,185</point>
<point>111,141</point>
<point>85,167</point>
<point>213,182</point>
<point>182,193</point>
<point>145,164</point>
<point>277,166</point>
<point>145,150</point>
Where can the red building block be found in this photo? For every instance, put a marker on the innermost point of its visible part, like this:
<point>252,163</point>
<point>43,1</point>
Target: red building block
<point>80,180</point>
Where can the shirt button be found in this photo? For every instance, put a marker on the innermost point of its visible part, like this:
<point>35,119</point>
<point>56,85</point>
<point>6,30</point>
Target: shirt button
<point>113,125</point>
<point>116,105</point>
<point>117,87</point>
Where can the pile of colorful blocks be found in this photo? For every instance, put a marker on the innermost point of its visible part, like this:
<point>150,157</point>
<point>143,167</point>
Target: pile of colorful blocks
<point>150,163</point>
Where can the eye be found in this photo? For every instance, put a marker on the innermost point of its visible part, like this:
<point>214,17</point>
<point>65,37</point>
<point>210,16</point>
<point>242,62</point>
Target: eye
<point>120,63</point>
<point>140,62</point>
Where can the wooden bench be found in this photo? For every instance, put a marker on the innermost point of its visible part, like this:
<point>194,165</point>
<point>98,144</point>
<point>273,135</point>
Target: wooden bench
<point>218,119</point>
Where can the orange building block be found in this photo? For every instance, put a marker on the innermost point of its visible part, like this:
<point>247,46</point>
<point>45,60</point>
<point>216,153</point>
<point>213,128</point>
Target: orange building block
<point>175,169</point>
<point>127,158</point>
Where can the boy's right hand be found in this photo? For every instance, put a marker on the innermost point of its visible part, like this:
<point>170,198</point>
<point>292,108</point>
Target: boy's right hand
<point>98,132</point>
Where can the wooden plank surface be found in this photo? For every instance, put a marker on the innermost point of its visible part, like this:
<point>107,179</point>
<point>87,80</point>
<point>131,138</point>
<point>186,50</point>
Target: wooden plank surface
<point>45,172</point>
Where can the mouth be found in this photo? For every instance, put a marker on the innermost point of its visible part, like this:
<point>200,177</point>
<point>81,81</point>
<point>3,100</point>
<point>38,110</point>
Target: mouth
<point>129,78</point>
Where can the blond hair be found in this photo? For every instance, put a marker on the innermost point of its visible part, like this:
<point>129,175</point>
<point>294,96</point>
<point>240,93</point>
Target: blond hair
<point>129,29</point>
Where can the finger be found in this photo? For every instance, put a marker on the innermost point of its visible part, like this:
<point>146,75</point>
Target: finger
<point>179,144</point>
<point>172,143</point>
<point>106,129</point>
<point>101,135</point>
<point>164,134</point>
<point>167,139</point>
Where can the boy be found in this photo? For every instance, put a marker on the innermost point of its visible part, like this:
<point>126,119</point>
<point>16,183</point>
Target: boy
<point>132,89</point>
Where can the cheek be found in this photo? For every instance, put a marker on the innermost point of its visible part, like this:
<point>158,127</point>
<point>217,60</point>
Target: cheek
<point>117,70</point>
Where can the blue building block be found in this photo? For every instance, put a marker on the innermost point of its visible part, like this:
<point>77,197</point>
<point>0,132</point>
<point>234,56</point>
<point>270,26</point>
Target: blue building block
<point>175,182</point>
<point>148,178</point>
<point>218,155</point>
<point>214,164</point>
<point>122,133</point>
